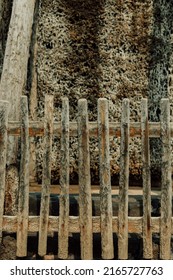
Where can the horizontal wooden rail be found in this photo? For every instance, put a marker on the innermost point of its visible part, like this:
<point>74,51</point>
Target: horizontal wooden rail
<point>36,128</point>
<point>135,224</point>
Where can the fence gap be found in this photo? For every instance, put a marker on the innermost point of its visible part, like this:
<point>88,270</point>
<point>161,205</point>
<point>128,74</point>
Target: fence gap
<point>124,183</point>
<point>3,153</point>
<point>85,202</point>
<point>105,181</point>
<point>23,203</point>
<point>166,182</point>
<point>63,231</point>
<point>146,177</point>
<point>46,177</point>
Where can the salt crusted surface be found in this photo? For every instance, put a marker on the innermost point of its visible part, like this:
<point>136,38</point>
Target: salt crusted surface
<point>91,49</point>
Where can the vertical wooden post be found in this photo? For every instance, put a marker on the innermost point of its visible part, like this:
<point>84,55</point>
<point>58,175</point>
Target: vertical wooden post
<point>166,182</point>
<point>23,204</point>
<point>146,176</point>
<point>85,202</point>
<point>63,231</point>
<point>46,178</point>
<point>124,183</point>
<point>3,152</point>
<point>105,182</point>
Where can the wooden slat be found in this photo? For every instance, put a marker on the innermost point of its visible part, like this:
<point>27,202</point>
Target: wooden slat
<point>3,153</point>
<point>146,177</point>
<point>124,183</point>
<point>23,203</point>
<point>166,186</point>
<point>85,203</point>
<point>105,182</point>
<point>36,128</point>
<point>64,183</point>
<point>46,178</point>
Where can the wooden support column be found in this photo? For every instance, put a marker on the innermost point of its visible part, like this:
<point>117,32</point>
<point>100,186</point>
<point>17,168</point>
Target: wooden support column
<point>13,81</point>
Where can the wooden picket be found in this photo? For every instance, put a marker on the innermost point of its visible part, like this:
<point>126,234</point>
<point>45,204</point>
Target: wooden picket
<point>23,203</point>
<point>63,231</point>
<point>145,153</point>
<point>124,183</point>
<point>86,224</point>
<point>46,180</point>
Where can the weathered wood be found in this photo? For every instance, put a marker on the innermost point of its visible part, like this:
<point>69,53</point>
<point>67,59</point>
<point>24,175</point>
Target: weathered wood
<point>64,184</point>
<point>46,177</point>
<point>13,80</point>
<point>3,152</point>
<point>124,183</point>
<point>14,72</point>
<point>105,182</point>
<point>36,128</point>
<point>85,203</point>
<point>23,203</point>
<point>146,177</point>
<point>135,224</point>
<point>166,186</point>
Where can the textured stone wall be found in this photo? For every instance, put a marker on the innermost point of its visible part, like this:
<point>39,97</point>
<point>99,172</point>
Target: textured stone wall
<point>94,49</point>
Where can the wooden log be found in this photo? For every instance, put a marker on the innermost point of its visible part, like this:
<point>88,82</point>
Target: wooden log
<point>14,72</point>
<point>124,183</point>
<point>13,81</point>
<point>36,128</point>
<point>166,185</point>
<point>135,224</point>
<point>146,177</point>
<point>85,202</point>
<point>3,152</point>
<point>63,232</point>
<point>105,182</point>
<point>46,177</point>
<point>23,203</point>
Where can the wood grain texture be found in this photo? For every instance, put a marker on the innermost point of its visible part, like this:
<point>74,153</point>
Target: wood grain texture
<point>3,151</point>
<point>46,177</point>
<point>64,183</point>
<point>85,203</point>
<point>36,128</point>
<point>23,202</point>
<point>146,177</point>
<point>166,184</point>
<point>124,183</point>
<point>135,224</point>
<point>105,181</point>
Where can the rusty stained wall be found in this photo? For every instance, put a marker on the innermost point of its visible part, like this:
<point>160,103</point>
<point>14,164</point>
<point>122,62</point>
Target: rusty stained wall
<point>102,48</point>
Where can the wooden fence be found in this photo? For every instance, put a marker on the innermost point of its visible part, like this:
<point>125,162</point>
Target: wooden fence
<point>86,224</point>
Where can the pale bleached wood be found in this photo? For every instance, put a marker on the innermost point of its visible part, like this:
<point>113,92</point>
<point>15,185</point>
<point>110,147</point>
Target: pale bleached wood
<point>124,183</point>
<point>135,224</point>
<point>36,128</point>
<point>3,151</point>
<point>46,177</point>
<point>146,177</point>
<point>63,233</point>
<point>105,181</point>
<point>166,184</point>
<point>13,82</point>
<point>23,203</point>
<point>85,202</point>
